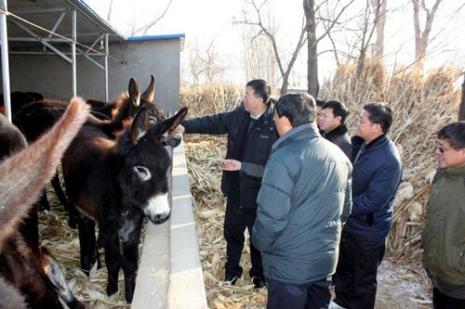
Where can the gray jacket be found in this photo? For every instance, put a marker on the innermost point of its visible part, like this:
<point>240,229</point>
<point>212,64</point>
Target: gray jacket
<point>304,200</point>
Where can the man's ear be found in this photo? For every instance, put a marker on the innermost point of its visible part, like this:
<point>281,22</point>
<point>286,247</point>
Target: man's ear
<point>462,154</point>
<point>378,128</point>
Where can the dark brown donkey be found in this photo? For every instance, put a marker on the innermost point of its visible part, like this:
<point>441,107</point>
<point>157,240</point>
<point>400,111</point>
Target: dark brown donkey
<point>116,183</point>
<point>35,118</point>
<point>29,278</point>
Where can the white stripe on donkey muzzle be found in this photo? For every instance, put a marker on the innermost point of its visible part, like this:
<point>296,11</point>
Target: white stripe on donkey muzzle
<point>158,208</point>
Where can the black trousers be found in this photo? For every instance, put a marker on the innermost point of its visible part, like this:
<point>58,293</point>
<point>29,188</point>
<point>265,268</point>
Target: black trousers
<point>235,222</point>
<point>442,301</point>
<point>355,277</point>
<point>313,295</point>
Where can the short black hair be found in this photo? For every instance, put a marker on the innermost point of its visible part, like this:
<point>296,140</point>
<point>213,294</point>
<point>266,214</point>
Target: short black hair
<point>260,88</point>
<point>320,103</point>
<point>339,109</point>
<point>299,108</point>
<point>454,133</point>
<point>381,114</point>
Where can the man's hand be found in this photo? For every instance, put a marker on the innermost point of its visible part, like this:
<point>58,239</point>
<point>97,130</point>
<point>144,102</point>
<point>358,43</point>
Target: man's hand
<point>180,129</point>
<point>231,165</point>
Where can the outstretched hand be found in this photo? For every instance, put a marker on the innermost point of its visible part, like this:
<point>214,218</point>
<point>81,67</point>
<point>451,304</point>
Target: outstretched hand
<point>231,165</point>
<point>179,129</point>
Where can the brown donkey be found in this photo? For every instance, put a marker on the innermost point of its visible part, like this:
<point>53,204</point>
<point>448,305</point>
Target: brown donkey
<point>116,183</point>
<point>28,278</point>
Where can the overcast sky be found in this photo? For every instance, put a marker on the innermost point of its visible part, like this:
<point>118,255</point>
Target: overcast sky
<point>204,20</point>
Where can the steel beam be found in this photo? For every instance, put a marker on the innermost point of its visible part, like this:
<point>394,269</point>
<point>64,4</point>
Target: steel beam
<point>5,60</point>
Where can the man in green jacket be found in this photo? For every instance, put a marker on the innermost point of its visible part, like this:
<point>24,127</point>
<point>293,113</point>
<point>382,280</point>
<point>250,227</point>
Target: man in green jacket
<point>304,199</point>
<point>444,234</point>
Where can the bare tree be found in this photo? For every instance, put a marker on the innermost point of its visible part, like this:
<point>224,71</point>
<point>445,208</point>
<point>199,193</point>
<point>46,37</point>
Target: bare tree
<point>204,64</point>
<point>313,85</point>
<point>367,33</point>
<point>263,29</point>
<point>135,27</point>
<point>379,6</point>
<point>146,27</point>
<point>110,10</point>
<point>307,35</point>
<point>422,36</point>
<point>259,62</point>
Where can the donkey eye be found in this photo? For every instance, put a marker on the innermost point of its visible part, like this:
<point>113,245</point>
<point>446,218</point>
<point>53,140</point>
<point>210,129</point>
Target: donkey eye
<point>143,172</point>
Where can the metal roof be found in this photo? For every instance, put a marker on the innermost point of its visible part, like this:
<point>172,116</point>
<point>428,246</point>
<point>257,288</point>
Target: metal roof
<point>176,36</point>
<point>55,15</point>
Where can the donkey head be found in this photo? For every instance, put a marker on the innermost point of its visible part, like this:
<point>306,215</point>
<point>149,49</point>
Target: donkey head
<point>144,176</point>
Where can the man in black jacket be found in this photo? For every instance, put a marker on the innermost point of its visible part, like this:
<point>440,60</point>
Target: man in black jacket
<point>251,133</point>
<point>331,120</point>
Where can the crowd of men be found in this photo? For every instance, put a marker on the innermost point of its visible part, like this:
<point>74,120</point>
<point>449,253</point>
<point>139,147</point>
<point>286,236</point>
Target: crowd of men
<point>318,204</point>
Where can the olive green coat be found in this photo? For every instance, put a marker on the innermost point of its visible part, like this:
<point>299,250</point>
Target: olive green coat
<point>444,234</point>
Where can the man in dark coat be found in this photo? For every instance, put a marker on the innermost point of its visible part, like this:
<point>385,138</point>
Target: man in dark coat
<point>331,120</point>
<point>251,132</point>
<point>303,202</point>
<point>375,178</point>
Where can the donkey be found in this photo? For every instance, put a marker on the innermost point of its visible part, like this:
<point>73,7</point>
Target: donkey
<point>115,183</point>
<point>37,117</point>
<point>106,110</point>
<point>27,278</point>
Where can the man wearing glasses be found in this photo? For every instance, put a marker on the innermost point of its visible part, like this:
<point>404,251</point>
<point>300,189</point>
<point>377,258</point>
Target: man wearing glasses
<point>444,233</point>
<point>376,175</point>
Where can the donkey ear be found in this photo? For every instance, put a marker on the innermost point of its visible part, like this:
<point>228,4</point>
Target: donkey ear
<point>170,124</point>
<point>140,125</point>
<point>149,93</point>
<point>134,93</point>
<point>52,269</point>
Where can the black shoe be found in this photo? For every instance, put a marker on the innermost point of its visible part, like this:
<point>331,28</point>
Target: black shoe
<point>232,278</point>
<point>259,282</point>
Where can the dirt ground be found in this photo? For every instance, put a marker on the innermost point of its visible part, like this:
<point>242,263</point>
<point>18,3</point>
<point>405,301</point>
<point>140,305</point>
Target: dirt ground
<point>402,286</point>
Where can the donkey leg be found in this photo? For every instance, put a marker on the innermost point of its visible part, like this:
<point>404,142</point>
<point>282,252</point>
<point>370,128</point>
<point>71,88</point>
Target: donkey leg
<point>130,259</point>
<point>113,262</point>
<point>88,244</point>
<point>72,212</point>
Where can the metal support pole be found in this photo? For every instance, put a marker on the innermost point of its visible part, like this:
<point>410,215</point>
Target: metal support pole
<point>106,66</point>
<point>73,52</point>
<point>5,61</point>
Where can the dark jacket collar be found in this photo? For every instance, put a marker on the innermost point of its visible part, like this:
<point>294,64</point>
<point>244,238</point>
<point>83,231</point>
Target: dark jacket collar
<point>358,142</point>
<point>359,145</point>
<point>341,130</point>
<point>310,129</point>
